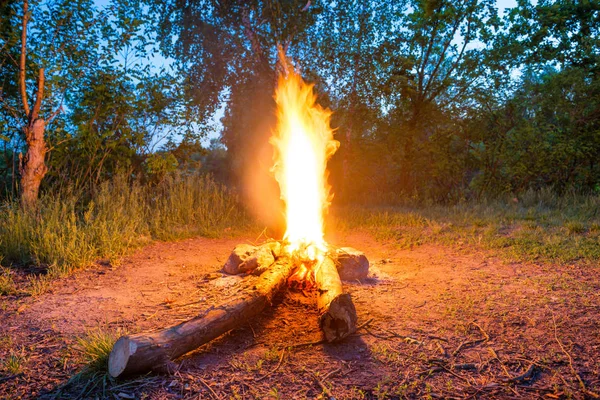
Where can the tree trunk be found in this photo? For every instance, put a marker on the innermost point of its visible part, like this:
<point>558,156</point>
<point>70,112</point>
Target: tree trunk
<point>33,165</point>
<point>135,354</point>
<point>337,312</point>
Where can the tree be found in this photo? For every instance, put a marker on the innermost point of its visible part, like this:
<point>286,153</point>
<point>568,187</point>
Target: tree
<point>33,165</point>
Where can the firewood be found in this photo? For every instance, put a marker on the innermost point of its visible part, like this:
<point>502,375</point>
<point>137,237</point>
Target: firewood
<point>143,352</point>
<point>337,312</point>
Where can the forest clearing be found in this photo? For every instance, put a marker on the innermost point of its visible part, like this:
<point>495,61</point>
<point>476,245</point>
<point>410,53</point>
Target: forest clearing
<point>299,199</point>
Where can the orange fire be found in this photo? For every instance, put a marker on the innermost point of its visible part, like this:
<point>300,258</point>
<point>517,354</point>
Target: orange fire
<point>303,144</point>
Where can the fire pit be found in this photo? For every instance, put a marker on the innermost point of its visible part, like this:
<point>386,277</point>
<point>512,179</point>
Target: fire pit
<point>303,260</point>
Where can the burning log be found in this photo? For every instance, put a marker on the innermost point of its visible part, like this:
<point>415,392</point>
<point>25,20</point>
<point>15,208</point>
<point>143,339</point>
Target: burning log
<point>337,312</point>
<point>143,352</point>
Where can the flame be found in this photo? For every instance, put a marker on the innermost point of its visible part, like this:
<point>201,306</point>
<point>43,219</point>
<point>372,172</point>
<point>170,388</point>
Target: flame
<point>303,143</point>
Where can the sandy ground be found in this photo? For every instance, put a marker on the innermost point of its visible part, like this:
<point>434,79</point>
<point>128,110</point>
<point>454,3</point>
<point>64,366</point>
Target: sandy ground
<point>445,323</point>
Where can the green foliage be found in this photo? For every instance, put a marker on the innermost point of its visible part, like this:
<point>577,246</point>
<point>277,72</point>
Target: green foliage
<point>433,100</point>
<point>67,232</point>
<point>159,165</point>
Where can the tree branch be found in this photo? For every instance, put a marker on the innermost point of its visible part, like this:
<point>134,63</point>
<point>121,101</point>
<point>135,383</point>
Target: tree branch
<point>38,97</point>
<point>459,18</point>
<point>22,87</point>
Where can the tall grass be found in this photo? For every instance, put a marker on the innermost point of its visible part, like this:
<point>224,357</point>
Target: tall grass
<point>538,225</point>
<point>67,232</point>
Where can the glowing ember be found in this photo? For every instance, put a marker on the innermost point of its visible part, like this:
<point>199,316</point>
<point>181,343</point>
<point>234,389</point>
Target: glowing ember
<point>303,143</point>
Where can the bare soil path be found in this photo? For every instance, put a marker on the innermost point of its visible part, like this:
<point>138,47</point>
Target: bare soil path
<point>444,322</point>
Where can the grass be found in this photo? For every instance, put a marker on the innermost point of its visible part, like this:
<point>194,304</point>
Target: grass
<point>7,284</point>
<point>536,226</point>
<point>14,362</point>
<point>95,346</point>
<point>67,232</point>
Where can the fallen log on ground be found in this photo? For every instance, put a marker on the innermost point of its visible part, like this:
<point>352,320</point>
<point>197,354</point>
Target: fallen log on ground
<point>143,352</point>
<point>337,312</point>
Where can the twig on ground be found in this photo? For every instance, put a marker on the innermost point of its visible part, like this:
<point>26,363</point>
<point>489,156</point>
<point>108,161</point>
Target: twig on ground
<point>525,376</point>
<point>378,336</point>
<point>495,356</point>
<point>314,343</point>
<point>212,392</point>
<point>441,348</point>
<point>407,339</point>
<point>364,324</point>
<point>321,383</point>
<point>470,343</point>
<point>566,353</point>
<point>335,371</point>
<point>274,369</point>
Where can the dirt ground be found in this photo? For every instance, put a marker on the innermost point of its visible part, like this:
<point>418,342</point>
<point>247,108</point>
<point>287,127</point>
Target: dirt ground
<point>444,323</point>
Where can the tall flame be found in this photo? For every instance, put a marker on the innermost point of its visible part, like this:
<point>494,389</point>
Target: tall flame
<point>303,144</point>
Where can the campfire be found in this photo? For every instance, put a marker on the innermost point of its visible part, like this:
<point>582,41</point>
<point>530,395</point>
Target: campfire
<point>302,260</point>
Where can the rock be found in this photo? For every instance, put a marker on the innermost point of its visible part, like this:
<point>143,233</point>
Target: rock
<point>262,257</point>
<point>238,256</point>
<point>246,258</point>
<point>352,264</point>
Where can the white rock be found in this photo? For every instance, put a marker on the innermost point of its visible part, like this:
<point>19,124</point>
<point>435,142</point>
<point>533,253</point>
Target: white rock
<point>238,256</point>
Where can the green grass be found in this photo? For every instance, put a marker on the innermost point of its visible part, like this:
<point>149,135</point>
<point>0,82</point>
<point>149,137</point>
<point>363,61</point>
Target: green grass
<point>537,226</point>
<point>66,232</point>
<point>95,346</point>
<point>14,362</point>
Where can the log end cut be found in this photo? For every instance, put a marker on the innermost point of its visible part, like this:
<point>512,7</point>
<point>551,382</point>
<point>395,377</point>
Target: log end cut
<point>339,320</point>
<point>119,357</point>
<point>132,355</point>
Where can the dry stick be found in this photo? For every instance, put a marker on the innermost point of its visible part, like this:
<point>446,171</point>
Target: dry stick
<point>316,342</point>
<point>335,371</point>
<point>274,369</point>
<point>562,347</point>
<point>209,388</point>
<point>407,339</point>
<point>495,355</point>
<point>364,324</point>
<point>321,384</point>
<point>528,374</point>
<point>485,338</point>
<point>441,348</point>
